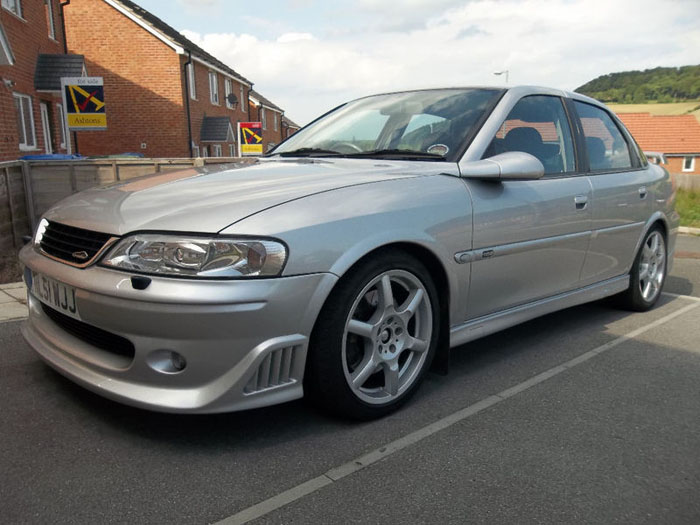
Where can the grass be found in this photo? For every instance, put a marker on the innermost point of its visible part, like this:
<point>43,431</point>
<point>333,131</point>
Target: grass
<point>10,271</point>
<point>688,206</point>
<point>677,108</point>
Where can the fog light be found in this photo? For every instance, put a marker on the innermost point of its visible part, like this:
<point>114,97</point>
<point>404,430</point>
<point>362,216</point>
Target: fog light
<point>166,361</point>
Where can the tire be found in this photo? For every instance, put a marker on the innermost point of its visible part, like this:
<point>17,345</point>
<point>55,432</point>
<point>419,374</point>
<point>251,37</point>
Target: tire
<point>374,339</point>
<point>648,274</point>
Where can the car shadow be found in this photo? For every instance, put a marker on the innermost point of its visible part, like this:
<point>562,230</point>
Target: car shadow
<point>679,285</point>
<point>296,420</point>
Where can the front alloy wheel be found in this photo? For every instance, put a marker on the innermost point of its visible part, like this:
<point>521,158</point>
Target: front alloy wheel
<point>375,337</point>
<point>386,337</point>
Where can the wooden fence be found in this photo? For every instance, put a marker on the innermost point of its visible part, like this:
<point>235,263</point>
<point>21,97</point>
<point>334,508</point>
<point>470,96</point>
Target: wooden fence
<point>29,188</point>
<point>687,181</point>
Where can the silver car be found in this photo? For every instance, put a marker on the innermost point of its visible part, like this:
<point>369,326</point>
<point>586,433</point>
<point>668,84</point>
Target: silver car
<point>347,262</point>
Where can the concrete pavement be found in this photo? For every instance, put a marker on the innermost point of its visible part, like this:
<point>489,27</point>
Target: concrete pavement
<point>13,301</point>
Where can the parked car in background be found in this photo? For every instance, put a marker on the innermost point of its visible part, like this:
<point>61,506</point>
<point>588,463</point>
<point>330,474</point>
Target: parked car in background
<point>350,258</point>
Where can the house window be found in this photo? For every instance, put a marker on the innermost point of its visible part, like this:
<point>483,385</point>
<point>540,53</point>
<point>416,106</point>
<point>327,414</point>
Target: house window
<point>228,87</point>
<point>14,6</point>
<point>46,127</point>
<point>195,150</point>
<point>25,122</point>
<point>49,19</point>
<point>276,123</point>
<point>243,97</point>
<point>263,117</point>
<point>61,125</point>
<point>213,88</point>
<point>216,150</point>
<point>231,150</point>
<point>190,76</point>
<point>205,152</point>
<point>688,163</point>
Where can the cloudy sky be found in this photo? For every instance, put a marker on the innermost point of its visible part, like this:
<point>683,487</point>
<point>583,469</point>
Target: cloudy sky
<point>307,56</point>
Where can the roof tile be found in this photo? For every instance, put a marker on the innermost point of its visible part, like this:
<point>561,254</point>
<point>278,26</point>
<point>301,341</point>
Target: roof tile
<point>664,133</point>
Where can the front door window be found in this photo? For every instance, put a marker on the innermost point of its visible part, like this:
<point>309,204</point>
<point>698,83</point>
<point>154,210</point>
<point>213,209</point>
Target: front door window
<point>538,125</point>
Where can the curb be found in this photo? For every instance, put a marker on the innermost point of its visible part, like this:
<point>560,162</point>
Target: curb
<point>689,230</point>
<point>13,302</point>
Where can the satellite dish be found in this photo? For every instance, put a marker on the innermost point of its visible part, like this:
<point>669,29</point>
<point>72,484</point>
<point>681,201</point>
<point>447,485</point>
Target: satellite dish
<point>231,99</point>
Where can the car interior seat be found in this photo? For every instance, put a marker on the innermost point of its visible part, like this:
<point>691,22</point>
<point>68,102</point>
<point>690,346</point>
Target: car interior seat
<point>596,153</point>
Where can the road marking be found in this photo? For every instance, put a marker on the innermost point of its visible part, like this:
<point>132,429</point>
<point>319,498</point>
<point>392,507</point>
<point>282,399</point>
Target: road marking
<point>331,476</point>
<point>677,296</point>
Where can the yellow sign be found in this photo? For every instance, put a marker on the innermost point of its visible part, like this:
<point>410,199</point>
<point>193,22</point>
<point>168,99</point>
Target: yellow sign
<point>83,98</point>
<point>250,138</point>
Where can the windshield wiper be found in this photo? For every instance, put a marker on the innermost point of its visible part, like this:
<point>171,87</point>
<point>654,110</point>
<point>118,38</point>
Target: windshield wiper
<point>408,153</point>
<point>310,152</point>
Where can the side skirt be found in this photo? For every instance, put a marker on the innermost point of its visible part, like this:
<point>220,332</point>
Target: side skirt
<point>498,321</point>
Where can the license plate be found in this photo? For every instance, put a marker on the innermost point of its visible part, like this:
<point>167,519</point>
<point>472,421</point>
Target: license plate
<point>57,295</point>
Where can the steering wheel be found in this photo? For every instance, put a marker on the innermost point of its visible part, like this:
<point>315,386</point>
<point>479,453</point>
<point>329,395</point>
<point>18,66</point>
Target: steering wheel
<point>348,146</point>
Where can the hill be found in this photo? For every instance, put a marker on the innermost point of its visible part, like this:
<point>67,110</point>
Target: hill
<point>661,84</point>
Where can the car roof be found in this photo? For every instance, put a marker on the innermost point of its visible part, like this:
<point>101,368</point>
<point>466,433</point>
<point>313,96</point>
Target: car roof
<point>520,90</point>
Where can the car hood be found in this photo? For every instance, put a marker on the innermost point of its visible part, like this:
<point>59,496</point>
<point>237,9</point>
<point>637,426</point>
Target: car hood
<point>202,200</point>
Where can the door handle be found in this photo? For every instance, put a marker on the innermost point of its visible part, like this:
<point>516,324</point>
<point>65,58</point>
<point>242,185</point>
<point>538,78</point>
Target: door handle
<point>581,201</point>
<point>642,192</point>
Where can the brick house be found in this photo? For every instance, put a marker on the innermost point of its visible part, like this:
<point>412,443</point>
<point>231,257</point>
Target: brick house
<point>165,96</point>
<point>289,127</point>
<point>263,110</point>
<point>32,60</point>
<point>677,137</point>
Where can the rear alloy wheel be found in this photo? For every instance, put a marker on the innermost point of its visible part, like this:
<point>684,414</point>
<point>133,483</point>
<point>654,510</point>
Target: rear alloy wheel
<point>648,273</point>
<point>375,338</point>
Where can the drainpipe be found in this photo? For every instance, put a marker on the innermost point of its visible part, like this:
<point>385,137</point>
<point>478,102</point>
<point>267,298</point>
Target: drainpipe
<point>61,5</point>
<point>63,25</point>
<point>187,101</point>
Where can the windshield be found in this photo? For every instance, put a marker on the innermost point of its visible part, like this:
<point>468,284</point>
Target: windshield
<point>421,125</point>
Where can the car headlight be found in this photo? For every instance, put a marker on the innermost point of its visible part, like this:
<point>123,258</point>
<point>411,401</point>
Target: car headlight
<point>187,256</point>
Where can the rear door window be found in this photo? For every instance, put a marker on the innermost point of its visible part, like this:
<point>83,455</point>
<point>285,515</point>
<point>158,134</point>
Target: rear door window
<point>538,125</point>
<point>606,146</point>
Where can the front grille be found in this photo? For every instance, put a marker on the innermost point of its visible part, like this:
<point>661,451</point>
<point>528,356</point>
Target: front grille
<point>63,241</point>
<point>92,335</point>
<point>274,370</point>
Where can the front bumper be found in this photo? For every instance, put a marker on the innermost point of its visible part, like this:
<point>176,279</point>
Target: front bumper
<point>244,341</point>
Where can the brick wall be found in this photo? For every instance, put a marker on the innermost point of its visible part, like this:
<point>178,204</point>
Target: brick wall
<point>143,83</point>
<point>675,165</point>
<point>203,105</point>
<point>28,37</point>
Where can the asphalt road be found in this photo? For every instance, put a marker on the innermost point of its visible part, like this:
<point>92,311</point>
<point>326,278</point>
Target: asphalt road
<point>586,415</point>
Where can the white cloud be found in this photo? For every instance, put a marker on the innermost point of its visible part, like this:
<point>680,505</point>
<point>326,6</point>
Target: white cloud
<point>558,43</point>
<point>196,5</point>
<point>294,37</point>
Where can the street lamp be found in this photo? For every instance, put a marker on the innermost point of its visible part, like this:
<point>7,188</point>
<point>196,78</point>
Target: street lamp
<point>504,72</point>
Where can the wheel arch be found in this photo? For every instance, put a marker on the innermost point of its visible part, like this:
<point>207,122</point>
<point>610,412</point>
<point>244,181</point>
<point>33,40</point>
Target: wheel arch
<point>440,280</point>
<point>657,219</point>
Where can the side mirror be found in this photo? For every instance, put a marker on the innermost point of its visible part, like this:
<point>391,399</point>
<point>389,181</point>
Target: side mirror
<point>512,165</point>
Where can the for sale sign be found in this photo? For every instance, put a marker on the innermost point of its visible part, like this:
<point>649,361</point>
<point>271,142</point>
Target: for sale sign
<point>84,100</point>
<point>250,139</point>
